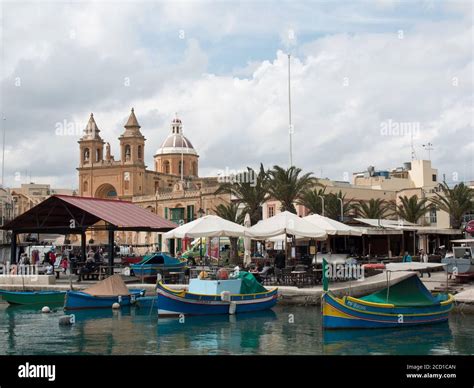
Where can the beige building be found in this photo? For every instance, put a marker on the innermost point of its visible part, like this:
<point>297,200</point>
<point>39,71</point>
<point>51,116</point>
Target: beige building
<point>172,188</point>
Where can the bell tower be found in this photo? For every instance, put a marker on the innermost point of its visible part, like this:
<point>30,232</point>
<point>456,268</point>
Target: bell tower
<point>91,148</point>
<point>132,142</point>
<point>132,151</point>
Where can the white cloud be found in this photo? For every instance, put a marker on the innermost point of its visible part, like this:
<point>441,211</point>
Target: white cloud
<point>344,84</point>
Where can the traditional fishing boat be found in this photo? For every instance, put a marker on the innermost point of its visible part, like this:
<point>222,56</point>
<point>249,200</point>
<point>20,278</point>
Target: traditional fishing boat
<point>153,264</point>
<point>103,295</point>
<point>44,298</point>
<point>406,303</point>
<point>209,297</point>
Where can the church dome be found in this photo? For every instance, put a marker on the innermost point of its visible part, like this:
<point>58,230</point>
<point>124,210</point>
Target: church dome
<point>176,142</point>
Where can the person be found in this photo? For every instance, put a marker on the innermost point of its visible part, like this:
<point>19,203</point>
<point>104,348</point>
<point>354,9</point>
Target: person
<point>97,256</point>
<point>64,263</point>
<point>52,257</point>
<point>49,269</point>
<point>222,274</point>
<point>423,256</point>
<point>280,260</point>
<point>406,258</point>
<point>88,268</point>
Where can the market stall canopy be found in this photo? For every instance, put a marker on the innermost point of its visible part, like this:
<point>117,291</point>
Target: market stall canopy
<point>71,214</point>
<point>332,227</point>
<point>412,266</point>
<point>285,223</point>
<point>207,226</point>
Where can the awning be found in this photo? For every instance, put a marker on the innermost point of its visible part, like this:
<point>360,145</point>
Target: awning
<point>389,224</point>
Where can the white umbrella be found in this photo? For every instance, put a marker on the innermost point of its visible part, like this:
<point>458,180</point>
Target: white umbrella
<point>207,226</point>
<point>284,223</point>
<point>332,227</point>
<point>247,242</point>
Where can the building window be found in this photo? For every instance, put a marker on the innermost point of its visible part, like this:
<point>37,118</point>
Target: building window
<point>139,152</point>
<point>434,177</point>
<point>86,186</point>
<point>98,154</point>
<point>128,152</point>
<point>271,211</point>
<point>433,216</point>
<point>86,155</point>
<point>166,212</point>
<point>166,167</point>
<point>190,213</point>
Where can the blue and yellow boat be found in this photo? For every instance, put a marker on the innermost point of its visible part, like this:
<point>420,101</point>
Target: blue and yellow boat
<point>210,297</point>
<point>406,303</point>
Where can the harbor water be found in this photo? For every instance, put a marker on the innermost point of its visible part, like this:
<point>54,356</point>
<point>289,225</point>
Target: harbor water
<point>287,330</point>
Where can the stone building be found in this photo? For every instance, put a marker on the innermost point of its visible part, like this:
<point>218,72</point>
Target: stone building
<point>172,187</point>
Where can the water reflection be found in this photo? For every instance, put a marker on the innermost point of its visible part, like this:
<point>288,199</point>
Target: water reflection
<point>286,330</point>
<point>432,339</point>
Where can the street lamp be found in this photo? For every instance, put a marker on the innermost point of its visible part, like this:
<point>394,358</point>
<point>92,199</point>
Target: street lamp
<point>342,209</point>
<point>322,204</point>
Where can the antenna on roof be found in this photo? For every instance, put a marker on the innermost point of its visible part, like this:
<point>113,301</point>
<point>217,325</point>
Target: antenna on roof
<point>428,147</point>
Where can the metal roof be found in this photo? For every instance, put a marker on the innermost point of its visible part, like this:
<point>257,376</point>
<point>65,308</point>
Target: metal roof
<point>71,213</point>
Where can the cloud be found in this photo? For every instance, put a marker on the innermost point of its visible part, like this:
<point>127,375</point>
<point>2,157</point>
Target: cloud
<point>224,70</point>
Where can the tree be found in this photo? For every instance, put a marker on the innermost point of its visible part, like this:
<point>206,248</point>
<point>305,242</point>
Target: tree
<point>456,202</point>
<point>411,209</point>
<point>287,186</point>
<point>250,189</point>
<point>374,208</point>
<point>230,212</point>
<point>332,205</point>
<point>311,200</point>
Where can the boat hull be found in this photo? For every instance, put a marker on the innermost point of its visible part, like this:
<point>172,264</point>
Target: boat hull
<point>172,302</point>
<point>77,300</point>
<point>352,313</point>
<point>45,298</point>
<point>458,265</point>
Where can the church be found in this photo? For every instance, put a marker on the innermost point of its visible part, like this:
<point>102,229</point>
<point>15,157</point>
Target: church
<point>171,189</point>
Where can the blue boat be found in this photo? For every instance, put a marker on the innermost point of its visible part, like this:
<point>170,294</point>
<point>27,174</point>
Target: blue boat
<point>156,263</point>
<point>103,295</point>
<point>407,303</point>
<point>209,297</point>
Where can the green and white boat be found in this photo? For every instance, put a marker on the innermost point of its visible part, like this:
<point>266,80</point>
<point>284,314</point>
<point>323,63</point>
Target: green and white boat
<point>45,298</point>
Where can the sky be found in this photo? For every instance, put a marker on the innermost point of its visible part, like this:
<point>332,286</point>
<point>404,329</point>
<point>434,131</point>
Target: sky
<point>368,80</point>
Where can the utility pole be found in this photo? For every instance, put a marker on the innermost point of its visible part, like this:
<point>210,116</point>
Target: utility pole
<point>290,128</point>
<point>3,151</point>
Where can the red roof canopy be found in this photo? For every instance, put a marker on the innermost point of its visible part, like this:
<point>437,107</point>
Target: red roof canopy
<point>72,213</point>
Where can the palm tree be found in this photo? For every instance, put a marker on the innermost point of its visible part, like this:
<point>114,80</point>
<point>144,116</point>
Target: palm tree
<point>332,205</point>
<point>374,208</point>
<point>411,209</point>
<point>251,191</point>
<point>456,202</point>
<point>288,186</point>
<point>311,200</point>
<point>230,212</point>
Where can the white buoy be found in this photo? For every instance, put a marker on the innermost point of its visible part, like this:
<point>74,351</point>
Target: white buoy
<point>67,320</point>
<point>116,306</point>
<point>46,310</point>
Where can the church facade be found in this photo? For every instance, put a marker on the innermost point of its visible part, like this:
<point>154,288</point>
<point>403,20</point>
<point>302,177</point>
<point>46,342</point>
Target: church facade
<point>172,188</point>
